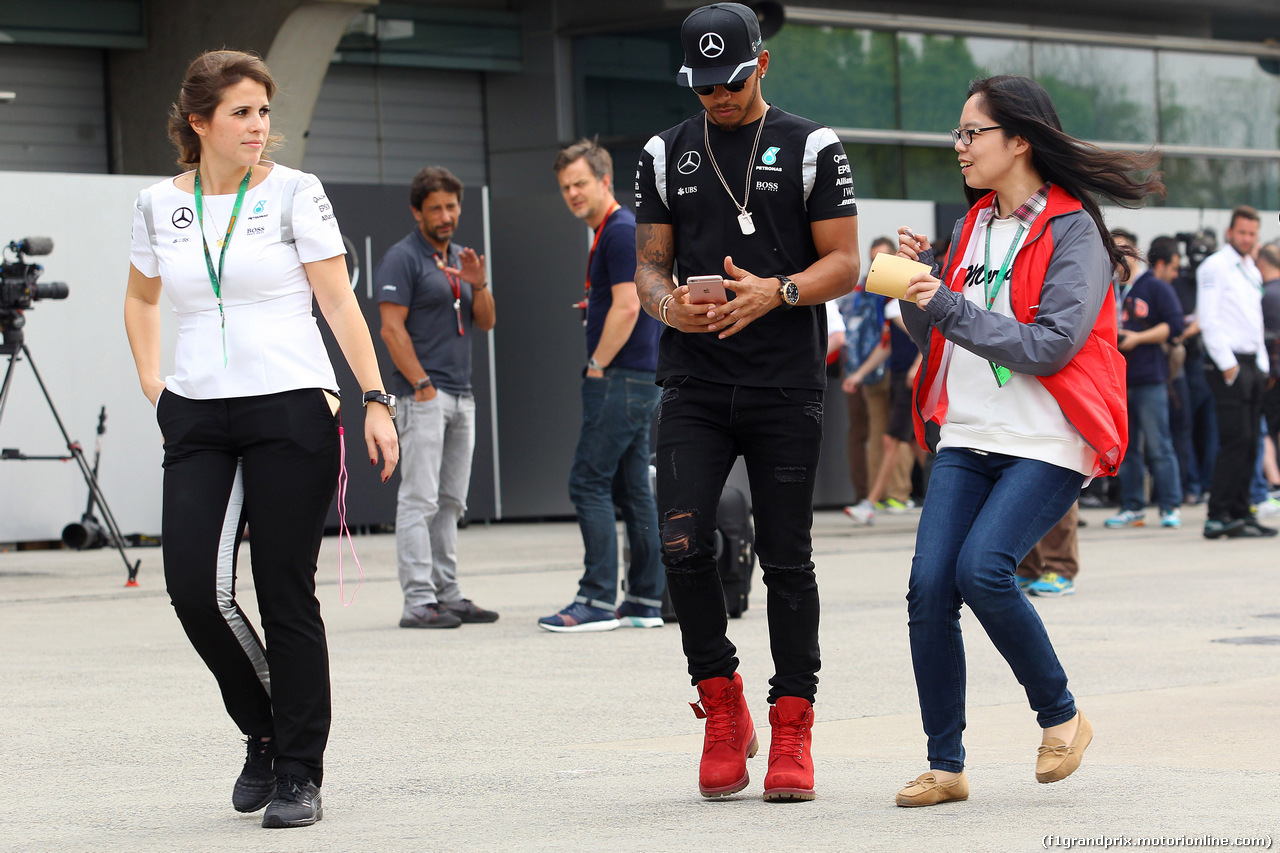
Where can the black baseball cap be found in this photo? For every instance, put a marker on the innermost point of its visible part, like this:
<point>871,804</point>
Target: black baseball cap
<point>721,45</point>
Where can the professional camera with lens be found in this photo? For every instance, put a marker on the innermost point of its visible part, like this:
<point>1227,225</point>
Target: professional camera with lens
<point>1195,248</point>
<point>20,287</point>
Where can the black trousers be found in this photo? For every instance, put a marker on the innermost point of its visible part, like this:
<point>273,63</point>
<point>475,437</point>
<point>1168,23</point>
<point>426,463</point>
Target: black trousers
<point>1239,410</point>
<point>270,461</point>
<point>702,428</point>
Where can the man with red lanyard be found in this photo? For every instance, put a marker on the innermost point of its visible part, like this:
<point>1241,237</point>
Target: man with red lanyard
<point>432,293</point>
<point>611,464</point>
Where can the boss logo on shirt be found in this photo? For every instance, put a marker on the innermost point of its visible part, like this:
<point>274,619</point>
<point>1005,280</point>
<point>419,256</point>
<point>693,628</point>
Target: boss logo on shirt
<point>182,217</point>
<point>767,186</point>
<point>255,230</point>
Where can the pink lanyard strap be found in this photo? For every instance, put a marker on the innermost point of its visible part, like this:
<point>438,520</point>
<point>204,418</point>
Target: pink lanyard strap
<point>342,519</point>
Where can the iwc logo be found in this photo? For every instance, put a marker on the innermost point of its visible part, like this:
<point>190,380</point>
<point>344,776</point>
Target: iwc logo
<point>711,45</point>
<point>689,163</point>
<point>182,217</point>
<point>770,157</point>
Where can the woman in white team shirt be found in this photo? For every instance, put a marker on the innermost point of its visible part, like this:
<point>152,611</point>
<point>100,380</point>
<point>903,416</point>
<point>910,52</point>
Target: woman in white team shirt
<point>241,245</point>
<point>1022,396</point>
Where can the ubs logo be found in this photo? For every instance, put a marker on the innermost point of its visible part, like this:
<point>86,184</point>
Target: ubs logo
<point>711,45</point>
<point>689,163</point>
<point>182,217</point>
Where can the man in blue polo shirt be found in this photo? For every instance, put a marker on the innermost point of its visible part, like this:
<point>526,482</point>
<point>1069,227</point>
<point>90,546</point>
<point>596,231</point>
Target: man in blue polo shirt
<point>1150,315</point>
<point>611,464</point>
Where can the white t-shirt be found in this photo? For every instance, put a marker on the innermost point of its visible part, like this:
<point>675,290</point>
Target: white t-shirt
<point>272,341</point>
<point>1022,418</point>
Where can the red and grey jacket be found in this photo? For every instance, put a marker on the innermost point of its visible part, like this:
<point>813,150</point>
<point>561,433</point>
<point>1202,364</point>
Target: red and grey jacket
<point>1063,330</point>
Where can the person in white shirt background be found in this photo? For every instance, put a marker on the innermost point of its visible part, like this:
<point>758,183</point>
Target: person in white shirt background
<point>1229,307</point>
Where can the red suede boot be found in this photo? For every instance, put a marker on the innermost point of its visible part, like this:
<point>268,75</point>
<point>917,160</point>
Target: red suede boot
<point>790,776</point>
<point>730,737</point>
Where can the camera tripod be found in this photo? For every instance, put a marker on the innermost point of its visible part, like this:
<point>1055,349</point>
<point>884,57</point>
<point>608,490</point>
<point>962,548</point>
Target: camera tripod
<point>16,349</point>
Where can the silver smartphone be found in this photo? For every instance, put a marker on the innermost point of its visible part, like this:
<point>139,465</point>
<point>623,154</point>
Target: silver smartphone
<point>704,289</point>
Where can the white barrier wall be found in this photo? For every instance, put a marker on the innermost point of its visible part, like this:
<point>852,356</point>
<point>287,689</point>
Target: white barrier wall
<point>80,349</point>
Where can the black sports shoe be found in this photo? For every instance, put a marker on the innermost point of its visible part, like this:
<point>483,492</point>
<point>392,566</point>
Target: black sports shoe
<point>1253,528</point>
<point>470,612</point>
<point>297,803</point>
<point>257,783</point>
<point>432,615</point>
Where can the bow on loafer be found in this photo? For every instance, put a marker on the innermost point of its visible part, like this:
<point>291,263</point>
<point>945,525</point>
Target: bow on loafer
<point>1058,759</point>
<point>926,790</point>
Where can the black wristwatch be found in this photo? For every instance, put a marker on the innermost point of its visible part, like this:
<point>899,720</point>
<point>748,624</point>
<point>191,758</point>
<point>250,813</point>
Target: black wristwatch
<point>789,292</point>
<point>388,400</point>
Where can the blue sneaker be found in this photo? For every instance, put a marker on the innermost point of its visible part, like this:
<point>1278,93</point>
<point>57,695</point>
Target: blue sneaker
<point>1052,585</point>
<point>1128,518</point>
<point>1023,583</point>
<point>1172,518</point>
<point>633,615</point>
<point>579,618</point>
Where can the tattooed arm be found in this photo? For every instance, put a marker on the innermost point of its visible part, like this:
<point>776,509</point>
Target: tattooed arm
<point>655,261</point>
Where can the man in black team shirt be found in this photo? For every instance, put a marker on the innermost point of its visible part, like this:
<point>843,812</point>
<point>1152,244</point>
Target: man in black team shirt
<point>766,199</point>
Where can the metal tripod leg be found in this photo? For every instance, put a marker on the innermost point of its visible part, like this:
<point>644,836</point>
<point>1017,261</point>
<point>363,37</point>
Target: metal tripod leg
<point>95,491</point>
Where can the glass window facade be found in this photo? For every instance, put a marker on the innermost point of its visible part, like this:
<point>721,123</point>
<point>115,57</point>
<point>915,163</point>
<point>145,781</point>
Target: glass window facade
<point>876,81</point>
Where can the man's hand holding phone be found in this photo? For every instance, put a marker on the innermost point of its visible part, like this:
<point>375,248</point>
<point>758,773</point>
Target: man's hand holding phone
<point>693,300</point>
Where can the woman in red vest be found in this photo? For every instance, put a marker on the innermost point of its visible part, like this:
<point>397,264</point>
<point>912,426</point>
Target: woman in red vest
<point>1023,399</point>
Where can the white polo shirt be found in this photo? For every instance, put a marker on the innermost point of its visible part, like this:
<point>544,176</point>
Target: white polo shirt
<point>272,341</point>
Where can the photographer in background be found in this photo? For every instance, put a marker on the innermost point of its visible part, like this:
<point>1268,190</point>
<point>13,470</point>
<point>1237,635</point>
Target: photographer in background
<point>1192,421</point>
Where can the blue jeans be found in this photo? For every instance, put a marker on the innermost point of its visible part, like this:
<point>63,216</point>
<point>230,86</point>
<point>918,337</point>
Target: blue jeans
<point>611,466</point>
<point>702,428</point>
<point>982,514</point>
<point>1149,437</point>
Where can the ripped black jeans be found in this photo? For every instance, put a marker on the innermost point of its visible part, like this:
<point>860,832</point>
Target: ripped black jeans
<point>702,428</point>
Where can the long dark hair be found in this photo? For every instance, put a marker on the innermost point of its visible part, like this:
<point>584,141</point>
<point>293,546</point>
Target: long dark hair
<point>1023,108</point>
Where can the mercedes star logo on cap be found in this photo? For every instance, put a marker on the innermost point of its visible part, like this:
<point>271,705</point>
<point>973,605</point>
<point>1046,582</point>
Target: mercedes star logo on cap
<point>711,45</point>
<point>689,163</point>
<point>182,217</point>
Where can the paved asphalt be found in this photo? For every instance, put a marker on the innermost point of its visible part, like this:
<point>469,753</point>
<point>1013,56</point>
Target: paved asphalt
<point>506,737</point>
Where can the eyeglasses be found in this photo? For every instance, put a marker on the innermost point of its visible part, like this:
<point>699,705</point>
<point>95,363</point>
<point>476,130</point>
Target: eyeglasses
<point>705,91</point>
<point>966,134</point>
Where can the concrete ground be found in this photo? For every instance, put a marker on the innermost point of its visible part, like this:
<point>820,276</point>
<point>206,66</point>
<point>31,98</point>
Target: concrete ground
<point>506,737</point>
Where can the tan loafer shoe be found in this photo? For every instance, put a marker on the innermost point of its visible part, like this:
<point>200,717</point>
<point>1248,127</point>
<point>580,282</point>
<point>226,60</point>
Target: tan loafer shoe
<point>928,791</point>
<point>1057,759</point>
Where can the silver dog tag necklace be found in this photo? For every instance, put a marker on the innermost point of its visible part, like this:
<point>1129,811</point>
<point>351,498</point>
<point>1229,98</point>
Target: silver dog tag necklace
<point>744,216</point>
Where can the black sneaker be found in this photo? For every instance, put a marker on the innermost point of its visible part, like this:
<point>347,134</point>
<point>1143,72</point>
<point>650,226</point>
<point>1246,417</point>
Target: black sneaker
<point>469,612</point>
<point>432,615</point>
<point>1253,528</point>
<point>257,783</point>
<point>1216,528</point>
<point>297,803</point>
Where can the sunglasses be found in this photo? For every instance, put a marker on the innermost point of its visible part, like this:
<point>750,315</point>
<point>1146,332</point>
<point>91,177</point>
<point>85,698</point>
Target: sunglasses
<point>704,91</point>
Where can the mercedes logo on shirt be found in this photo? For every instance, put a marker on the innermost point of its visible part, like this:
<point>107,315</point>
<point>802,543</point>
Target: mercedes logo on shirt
<point>689,163</point>
<point>711,45</point>
<point>182,217</point>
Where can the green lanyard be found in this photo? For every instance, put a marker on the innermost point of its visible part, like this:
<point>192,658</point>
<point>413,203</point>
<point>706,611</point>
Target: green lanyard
<point>1244,272</point>
<point>215,278</point>
<point>1002,374</point>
